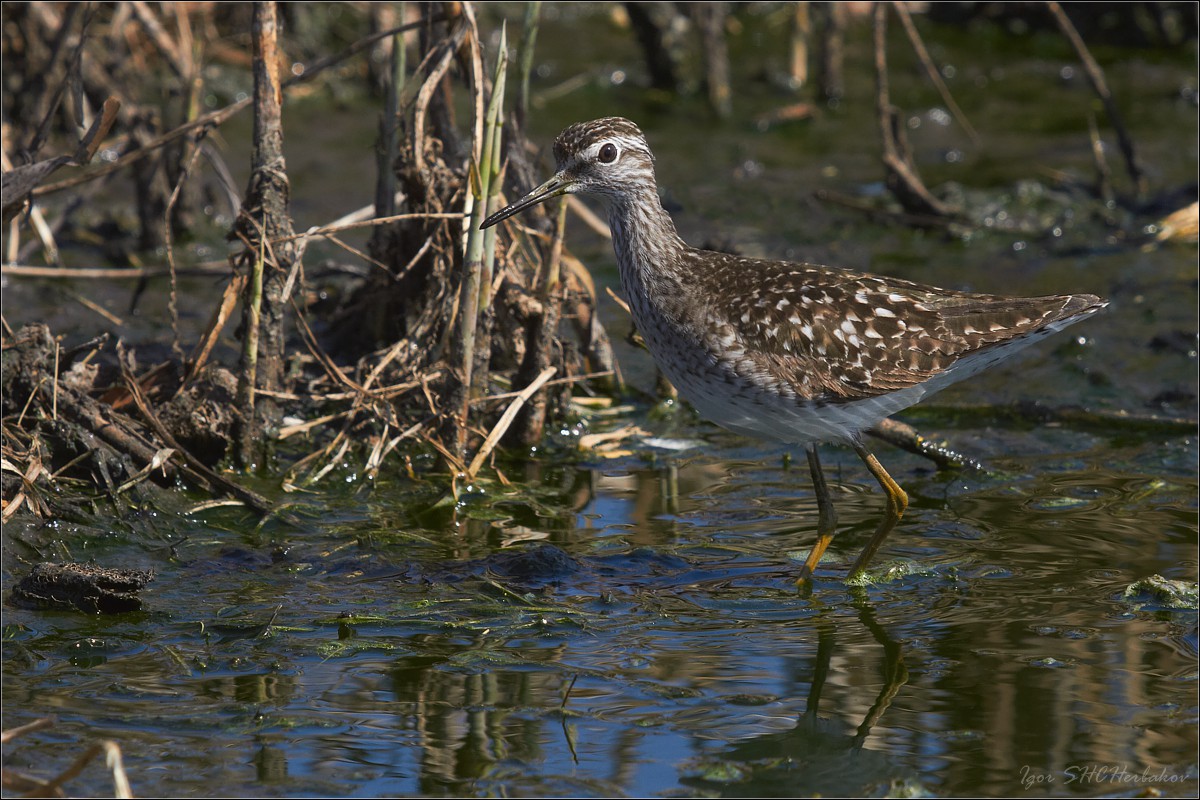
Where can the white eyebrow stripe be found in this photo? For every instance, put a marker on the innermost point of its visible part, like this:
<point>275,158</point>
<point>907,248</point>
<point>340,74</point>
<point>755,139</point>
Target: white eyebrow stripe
<point>622,142</point>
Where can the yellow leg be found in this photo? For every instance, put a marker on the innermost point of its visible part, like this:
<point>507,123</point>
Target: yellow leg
<point>897,503</point>
<point>826,519</point>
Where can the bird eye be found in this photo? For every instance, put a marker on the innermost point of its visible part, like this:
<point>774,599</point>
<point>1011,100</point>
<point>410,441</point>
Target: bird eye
<point>608,153</point>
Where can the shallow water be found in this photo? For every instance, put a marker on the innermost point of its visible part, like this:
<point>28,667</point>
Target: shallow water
<point>660,644</point>
<point>626,624</point>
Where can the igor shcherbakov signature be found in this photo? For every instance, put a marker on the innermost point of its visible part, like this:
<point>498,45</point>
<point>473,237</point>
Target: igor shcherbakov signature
<point>1105,773</point>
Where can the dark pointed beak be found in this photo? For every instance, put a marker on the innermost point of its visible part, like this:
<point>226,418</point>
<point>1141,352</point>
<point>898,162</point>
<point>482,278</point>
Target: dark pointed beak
<point>558,185</point>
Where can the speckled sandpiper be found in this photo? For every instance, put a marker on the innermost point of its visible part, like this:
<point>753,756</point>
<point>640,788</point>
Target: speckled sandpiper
<point>797,353</point>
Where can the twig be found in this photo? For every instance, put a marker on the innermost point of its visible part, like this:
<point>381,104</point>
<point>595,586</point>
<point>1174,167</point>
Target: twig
<point>90,143</point>
<point>555,382</point>
<point>91,306</point>
<point>888,215</point>
<point>169,237</point>
<point>1096,77</point>
<point>801,32</point>
<point>368,223</point>
<point>292,430</point>
<point>252,316</point>
<point>108,273</point>
<point>333,462</point>
<point>831,57</point>
<point>710,19</point>
<point>932,71</point>
<point>216,324</point>
<point>388,148</point>
<point>906,437</point>
<point>567,693</point>
<point>160,38</point>
<point>902,178</point>
<point>43,130</point>
<point>616,298</point>
<point>386,393</point>
<point>160,458</point>
<point>29,727</point>
<point>54,402</point>
<point>354,251</point>
<point>331,369</point>
<point>391,445</point>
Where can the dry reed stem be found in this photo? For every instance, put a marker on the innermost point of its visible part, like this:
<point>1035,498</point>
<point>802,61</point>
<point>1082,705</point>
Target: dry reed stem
<point>160,459</point>
<point>1103,173</point>
<point>411,431</point>
<point>902,178</point>
<point>216,324</point>
<point>160,39</point>
<point>449,46</point>
<point>108,273</point>
<point>556,382</point>
<point>369,223</point>
<point>33,787</point>
<point>29,727</point>
<point>506,420</point>
<point>321,473</point>
<point>302,427</point>
<point>589,217</point>
<point>477,81</point>
<point>386,393</point>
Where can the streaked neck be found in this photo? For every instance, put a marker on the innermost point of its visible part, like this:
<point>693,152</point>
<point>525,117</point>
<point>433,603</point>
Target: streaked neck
<point>644,239</point>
